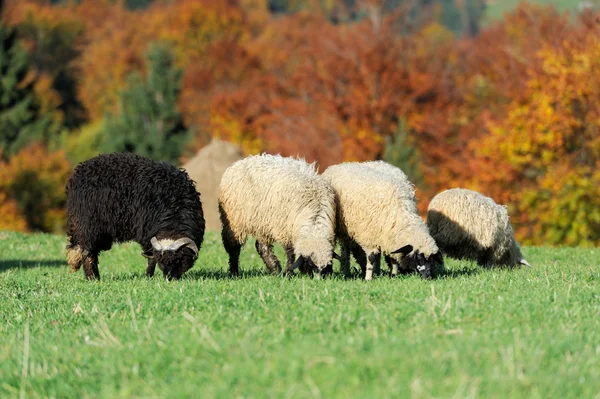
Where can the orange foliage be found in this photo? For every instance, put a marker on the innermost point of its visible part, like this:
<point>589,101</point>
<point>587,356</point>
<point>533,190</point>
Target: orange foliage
<point>546,151</point>
<point>11,218</point>
<point>194,30</point>
<point>34,181</point>
<point>511,112</point>
<point>332,93</point>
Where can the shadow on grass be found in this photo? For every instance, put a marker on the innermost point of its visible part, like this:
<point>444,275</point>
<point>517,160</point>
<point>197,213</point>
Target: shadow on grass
<point>24,264</point>
<point>210,274</point>
<point>448,273</point>
<point>213,274</point>
<point>465,271</point>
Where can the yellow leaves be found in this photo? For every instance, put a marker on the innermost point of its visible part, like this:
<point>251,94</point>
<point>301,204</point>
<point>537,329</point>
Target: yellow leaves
<point>34,181</point>
<point>11,218</point>
<point>84,143</point>
<point>436,33</point>
<point>193,26</point>
<point>545,150</point>
<point>229,129</point>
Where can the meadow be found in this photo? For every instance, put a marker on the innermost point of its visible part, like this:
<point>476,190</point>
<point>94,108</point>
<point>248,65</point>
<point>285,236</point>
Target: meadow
<point>531,333</point>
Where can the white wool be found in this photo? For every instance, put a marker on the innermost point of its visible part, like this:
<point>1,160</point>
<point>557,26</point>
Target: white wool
<point>408,188</point>
<point>469,225</point>
<point>280,199</point>
<point>377,209</point>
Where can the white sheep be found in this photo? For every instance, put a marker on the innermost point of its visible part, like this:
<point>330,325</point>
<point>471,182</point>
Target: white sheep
<point>410,198</point>
<point>468,225</point>
<point>376,212</point>
<point>278,199</point>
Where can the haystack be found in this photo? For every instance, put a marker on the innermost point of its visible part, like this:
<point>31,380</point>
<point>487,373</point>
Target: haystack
<point>206,169</point>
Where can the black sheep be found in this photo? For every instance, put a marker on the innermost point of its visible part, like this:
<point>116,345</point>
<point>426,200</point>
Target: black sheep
<point>123,197</point>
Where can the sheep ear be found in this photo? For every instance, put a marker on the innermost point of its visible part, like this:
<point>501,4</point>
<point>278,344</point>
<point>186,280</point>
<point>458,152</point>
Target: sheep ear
<point>524,262</point>
<point>438,258</point>
<point>148,254</point>
<point>405,250</point>
<point>298,262</point>
<point>336,256</point>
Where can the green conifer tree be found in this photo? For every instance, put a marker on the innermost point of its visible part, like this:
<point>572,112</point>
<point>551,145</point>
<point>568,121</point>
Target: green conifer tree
<point>149,122</point>
<point>401,152</point>
<point>20,118</point>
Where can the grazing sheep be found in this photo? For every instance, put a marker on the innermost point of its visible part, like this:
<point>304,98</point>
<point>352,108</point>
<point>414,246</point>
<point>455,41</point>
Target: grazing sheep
<point>278,199</point>
<point>376,212</point>
<point>410,199</point>
<point>468,225</point>
<point>125,197</point>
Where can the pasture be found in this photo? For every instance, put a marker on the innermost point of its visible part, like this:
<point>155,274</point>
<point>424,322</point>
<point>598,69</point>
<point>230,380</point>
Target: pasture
<point>527,333</point>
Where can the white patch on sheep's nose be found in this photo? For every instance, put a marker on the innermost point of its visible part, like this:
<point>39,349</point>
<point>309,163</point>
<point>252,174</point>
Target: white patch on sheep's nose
<point>421,268</point>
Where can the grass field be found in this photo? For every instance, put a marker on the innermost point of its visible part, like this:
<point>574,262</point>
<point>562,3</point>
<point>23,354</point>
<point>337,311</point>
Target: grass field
<point>531,333</point>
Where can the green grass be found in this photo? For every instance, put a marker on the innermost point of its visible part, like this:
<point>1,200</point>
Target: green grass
<point>530,333</point>
<point>499,7</point>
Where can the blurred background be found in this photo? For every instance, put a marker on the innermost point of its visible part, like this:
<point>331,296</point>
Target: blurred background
<point>500,96</point>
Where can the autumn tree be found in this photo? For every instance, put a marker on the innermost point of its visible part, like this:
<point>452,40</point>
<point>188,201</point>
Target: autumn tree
<point>32,189</point>
<point>541,155</point>
<point>20,119</point>
<point>149,122</point>
<point>54,37</point>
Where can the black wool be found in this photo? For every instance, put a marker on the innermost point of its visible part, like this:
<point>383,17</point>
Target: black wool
<point>123,197</point>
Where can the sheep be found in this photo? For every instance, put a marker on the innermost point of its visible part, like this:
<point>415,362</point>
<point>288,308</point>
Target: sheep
<point>376,212</point>
<point>278,199</point>
<point>468,225</point>
<point>123,197</point>
<point>409,198</point>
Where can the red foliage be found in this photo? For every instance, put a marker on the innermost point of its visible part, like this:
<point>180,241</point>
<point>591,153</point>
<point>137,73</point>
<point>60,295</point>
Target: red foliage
<point>501,112</point>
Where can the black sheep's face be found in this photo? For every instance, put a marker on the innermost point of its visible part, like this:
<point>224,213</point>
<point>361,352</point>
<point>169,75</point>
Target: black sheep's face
<point>174,263</point>
<point>173,257</point>
<point>428,267</point>
<point>308,266</point>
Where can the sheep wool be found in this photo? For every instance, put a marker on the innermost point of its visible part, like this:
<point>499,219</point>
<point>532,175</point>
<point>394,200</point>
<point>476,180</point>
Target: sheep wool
<point>376,210</point>
<point>123,197</point>
<point>408,188</point>
<point>468,225</point>
<point>277,199</point>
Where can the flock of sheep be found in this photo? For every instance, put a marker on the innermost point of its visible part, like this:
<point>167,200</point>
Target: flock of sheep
<point>369,208</point>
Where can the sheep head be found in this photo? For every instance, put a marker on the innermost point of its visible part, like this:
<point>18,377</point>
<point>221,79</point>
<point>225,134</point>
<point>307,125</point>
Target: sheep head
<point>174,257</point>
<point>428,266</point>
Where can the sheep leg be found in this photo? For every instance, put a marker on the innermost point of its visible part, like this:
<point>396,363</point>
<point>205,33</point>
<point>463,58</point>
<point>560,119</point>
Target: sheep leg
<point>392,264</point>
<point>291,257</point>
<point>484,259</point>
<point>150,268</point>
<point>360,256</point>
<point>268,256</point>
<point>377,267</point>
<point>345,258</point>
<point>231,244</point>
<point>75,257</point>
<point>90,267</point>
<point>233,249</point>
<point>373,259</point>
